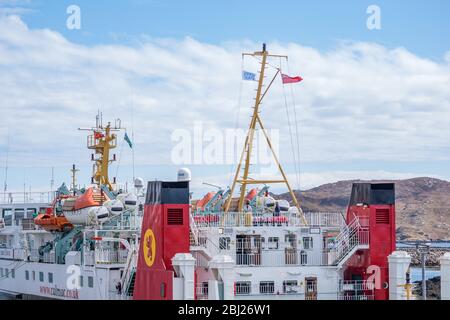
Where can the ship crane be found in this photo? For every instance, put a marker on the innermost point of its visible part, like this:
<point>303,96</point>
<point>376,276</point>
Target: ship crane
<point>255,122</point>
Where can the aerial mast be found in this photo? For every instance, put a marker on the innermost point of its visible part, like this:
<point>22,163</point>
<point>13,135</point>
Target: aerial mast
<point>245,180</point>
<point>102,141</point>
<point>74,171</point>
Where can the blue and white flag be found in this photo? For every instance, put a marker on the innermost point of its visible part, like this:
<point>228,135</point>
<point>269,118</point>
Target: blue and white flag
<point>248,76</point>
<point>127,139</point>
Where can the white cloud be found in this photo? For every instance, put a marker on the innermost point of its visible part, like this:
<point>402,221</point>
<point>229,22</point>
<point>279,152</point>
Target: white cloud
<point>359,101</point>
<point>15,7</point>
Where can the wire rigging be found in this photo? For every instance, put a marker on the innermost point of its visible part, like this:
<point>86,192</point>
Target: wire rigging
<point>120,157</point>
<point>297,133</point>
<point>237,120</point>
<point>294,154</point>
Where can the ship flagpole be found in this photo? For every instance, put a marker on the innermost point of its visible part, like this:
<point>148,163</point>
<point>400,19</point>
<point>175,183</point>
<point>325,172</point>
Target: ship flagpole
<point>132,135</point>
<point>248,145</point>
<point>5,184</point>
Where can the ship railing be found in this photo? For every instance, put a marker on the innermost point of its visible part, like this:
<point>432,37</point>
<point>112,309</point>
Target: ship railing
<point>193,234</point>
<point>28,224</point>
<point>354,297</point>
<point>356,286</point>
<point>123,221</point>
<point>352,235</point>
<point>200,260</point>
<point>7,253</point>
<point>49,257</point>
<point>26,197</point>
<point>114,295</point>
<point>129,268</point>
<point>278,258</point>
<point>250,219</point>
<point>34,255</point>
<point>237,219</point>
<point>202,291</point>
<point>325,219</point>
<point>93,142</point>
<point>110,256</point>
<point>89,258</point>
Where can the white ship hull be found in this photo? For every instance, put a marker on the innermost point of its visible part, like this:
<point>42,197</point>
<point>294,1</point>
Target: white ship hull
<point>57,281</point>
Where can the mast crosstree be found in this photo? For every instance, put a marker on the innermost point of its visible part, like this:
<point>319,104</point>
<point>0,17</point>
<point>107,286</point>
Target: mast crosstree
<point>245,179</point>
<point>102,141</point>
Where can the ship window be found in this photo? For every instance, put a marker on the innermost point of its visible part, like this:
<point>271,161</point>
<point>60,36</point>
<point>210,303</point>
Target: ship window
<point>7,216</point>
<point>13,273</point>
<point>90,282</point>
<point>1,272</point>
<point>224,243</point>
<point>307,243</point>
<point>41,276</point>
<point>303,258</point>
<point>273,243</point>
<point>81,281</point>
<point>175,216</point>
<point>204,289</point>
<point>291,240</point>
<point>34,275</point>
<point>27,275</point>
<point>6,273</point>
<point>50,277</point>
<point>266,287</point>
<point>243,287</point>
<point>290,286</point>
<point>31,213</point>
<point>19,215</point>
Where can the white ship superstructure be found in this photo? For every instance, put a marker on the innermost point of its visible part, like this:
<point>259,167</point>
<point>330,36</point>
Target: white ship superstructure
<point>75,244</point>
<point>158,243</point>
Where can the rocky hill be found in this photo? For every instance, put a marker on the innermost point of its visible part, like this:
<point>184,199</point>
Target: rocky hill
<point>422,205</point>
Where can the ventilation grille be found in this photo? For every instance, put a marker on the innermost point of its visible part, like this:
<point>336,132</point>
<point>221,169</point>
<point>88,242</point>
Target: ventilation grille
<point>175,217</point>
<point>382,216</point>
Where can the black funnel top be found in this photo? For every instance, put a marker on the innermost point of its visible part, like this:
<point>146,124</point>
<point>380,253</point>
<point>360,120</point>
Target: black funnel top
<point>373,193</point>
<point>160,192</point>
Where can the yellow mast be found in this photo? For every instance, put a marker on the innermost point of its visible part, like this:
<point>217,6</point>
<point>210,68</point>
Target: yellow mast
<point>248,145</point>
<point>102,144</point>
<point>102,141</point>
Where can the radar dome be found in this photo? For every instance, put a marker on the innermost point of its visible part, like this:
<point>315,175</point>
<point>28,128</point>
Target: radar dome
<point>184,174</point>
<point>138,183</point>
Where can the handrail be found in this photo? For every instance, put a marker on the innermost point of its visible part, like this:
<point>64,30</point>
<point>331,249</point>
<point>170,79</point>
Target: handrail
<point>11,198</point>
<point>128,267</point>
<point>259,219</point>
<point>194,228</point>
<point>352,236</point>
<point>356,285</point>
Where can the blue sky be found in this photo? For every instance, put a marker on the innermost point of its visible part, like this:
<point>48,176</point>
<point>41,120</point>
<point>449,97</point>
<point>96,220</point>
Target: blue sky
<point>159,55</point>
<point>420,26</point>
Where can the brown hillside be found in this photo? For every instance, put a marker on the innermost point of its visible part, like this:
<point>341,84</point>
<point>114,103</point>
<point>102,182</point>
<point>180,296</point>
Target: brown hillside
<point>422,205</point>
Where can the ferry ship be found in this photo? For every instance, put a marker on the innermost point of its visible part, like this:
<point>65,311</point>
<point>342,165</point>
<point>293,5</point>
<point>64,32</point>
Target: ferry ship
<point>156,242</point>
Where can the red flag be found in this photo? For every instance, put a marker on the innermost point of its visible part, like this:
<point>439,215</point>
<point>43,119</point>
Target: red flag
<point>287,79</point>
<point>98,135</point>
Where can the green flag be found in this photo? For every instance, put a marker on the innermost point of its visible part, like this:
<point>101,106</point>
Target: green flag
<point>127,139</point>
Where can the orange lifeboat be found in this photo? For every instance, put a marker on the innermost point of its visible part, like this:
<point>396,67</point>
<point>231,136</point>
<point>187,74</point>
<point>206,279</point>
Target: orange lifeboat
<point>50,222</point>
<point>87,199</point>
<point>251,194</point>
<point>202,202</point>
